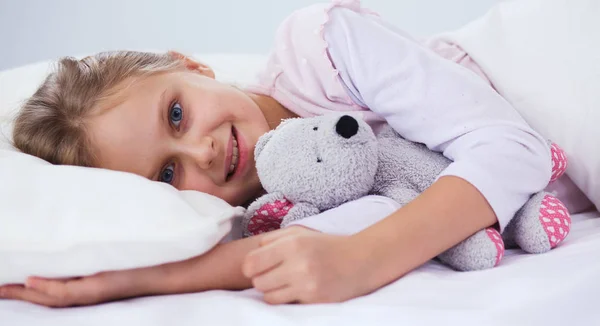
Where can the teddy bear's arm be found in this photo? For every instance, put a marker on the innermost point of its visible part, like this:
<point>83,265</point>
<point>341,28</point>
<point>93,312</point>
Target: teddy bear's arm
<point>401,195</point>
<point>265,214</point>
<point>298,212</point>
<point>273,211</point>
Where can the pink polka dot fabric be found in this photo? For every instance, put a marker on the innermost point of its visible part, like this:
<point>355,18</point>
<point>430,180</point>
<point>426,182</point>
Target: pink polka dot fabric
<point>559,162</point>
<point>269,216</point>
<point>555,219</point>
<point>496,238</point>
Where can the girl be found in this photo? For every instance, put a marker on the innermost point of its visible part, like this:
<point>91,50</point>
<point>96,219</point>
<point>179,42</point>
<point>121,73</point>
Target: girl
<point>166,118</point>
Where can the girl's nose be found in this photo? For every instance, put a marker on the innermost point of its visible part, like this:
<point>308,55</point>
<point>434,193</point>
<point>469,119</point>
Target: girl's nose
<point>203,152</point>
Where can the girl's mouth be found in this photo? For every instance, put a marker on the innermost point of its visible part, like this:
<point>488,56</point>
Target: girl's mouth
<point>234,157</point>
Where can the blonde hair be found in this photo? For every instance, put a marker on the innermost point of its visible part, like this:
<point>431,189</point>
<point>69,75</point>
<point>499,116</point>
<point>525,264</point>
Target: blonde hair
<point>52,123</point>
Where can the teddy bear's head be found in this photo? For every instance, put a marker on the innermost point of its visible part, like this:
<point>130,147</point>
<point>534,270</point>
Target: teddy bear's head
<point>324,160</point>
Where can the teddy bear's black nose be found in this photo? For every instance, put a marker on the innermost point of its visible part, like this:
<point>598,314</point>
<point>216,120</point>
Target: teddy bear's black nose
<point>347,126</point>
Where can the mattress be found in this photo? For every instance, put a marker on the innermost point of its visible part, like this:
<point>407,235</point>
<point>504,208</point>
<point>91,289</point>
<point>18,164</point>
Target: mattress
<point>556,288</point>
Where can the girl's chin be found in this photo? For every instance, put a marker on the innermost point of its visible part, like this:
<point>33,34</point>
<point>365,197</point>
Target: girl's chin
<point>253,197</point>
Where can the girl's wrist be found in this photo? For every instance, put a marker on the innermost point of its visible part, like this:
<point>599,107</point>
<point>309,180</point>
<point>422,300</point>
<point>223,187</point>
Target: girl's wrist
<point>385,253</point>
<point>147,281</point>
<point>116,285</point>
<point>365,261</point>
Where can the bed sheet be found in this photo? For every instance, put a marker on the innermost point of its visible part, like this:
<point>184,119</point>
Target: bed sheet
<point>555,288</point>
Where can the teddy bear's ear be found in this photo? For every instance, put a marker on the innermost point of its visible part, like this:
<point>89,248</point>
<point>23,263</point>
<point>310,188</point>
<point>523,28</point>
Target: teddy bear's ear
<point>262,142</point>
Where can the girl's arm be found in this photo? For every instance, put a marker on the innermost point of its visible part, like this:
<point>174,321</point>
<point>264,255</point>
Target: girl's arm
<point>498,163</point>
<point>297,264</point>
<point>431,100</point>
<point>219,268</point>
<point>446,213</point>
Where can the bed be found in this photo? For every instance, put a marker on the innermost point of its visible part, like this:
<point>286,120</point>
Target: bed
<point>554,288</point>
<point>557,288</point>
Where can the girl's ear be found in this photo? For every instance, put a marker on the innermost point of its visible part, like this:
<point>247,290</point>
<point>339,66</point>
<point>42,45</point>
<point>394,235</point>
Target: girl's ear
<point>194,65</point>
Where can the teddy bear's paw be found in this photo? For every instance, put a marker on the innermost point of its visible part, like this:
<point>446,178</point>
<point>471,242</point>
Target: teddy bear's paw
<point>482,250</point>
<point>268,217</point>
<point>541,224</point>
<point>496,239</point>
<point>559,162</point>
<point>555,219</point>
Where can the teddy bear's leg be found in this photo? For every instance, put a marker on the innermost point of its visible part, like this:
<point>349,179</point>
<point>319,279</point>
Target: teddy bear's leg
<point>559,161</point>
<point>482,250</point>
<point>540,225</point>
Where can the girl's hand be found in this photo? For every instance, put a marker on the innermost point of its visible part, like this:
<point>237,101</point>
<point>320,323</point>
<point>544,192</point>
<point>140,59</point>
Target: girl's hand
<point>88,290</point>
<point>301,265</point>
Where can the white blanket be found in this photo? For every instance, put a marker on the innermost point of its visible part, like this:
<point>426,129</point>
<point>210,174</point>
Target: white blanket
<point>556,288</point>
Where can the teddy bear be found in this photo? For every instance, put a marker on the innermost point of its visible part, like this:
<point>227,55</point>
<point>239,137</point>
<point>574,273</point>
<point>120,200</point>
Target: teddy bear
<point>309,165</point>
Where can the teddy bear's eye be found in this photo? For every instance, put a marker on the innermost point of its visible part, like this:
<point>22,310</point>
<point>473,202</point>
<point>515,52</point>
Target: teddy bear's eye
<point>316,128</point>
<point>319,160</point>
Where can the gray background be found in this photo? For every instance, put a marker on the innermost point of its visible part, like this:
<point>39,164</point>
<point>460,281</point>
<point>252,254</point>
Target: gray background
<point>34,30</point>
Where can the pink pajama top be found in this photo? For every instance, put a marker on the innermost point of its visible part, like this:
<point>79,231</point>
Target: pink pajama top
<point>340,57</point>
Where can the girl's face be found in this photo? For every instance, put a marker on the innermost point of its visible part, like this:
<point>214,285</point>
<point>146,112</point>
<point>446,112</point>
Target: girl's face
<point>186,129</point>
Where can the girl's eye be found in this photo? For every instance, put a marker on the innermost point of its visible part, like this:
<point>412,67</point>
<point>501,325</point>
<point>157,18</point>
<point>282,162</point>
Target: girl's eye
<point>315,128</point>
<point>167,174</point>
<point>176,114</point>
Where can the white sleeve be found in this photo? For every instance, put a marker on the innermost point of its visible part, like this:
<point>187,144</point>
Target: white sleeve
<point>351,217</point>
<point>431,100</point>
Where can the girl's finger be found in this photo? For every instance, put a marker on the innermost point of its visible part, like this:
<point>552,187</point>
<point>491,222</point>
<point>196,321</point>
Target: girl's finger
<point>19,292</point>
<point>274,279</point>
<point>62,279</point>
<point>263,259</point>
<point>281,296</point>
<point>50,287</point>
<point>276,235</point>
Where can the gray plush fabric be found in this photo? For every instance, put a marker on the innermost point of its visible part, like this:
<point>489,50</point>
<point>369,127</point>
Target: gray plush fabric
<point>475,253</point>
<point>527,233</point>
<point>308,161</point>
<point>321,162</point>
<point>405,168</point>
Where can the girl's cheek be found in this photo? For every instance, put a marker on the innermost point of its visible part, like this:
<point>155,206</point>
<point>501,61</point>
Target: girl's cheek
<point>194,181</point>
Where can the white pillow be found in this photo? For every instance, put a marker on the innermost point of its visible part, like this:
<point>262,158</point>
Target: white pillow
<point>60,221</point>
<point>544,57</point>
